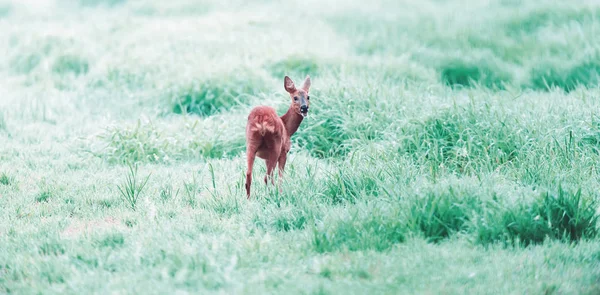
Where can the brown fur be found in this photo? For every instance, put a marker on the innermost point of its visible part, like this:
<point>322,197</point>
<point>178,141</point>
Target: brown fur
<point>268,135</point>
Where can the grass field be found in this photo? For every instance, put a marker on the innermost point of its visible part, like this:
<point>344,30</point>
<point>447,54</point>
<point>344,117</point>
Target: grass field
<point>452,147</point>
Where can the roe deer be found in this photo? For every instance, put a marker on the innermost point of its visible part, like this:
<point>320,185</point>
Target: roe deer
<point>268,135</point>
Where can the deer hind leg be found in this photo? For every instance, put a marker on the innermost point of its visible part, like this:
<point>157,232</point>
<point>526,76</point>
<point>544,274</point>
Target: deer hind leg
<point>250,155</point>
<point>272,161</point>
<point>281,164</point>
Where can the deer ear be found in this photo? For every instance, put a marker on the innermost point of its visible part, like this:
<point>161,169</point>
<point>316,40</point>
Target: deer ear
<point>306,84</point>
<point>288,84</point>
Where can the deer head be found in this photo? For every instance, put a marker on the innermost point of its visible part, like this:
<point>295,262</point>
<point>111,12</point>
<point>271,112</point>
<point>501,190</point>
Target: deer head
<point>299,96</point>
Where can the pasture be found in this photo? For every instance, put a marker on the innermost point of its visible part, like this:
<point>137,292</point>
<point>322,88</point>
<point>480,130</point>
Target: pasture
<point>451,147</point>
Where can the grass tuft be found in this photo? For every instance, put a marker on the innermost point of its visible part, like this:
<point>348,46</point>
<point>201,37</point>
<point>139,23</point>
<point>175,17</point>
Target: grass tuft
<point>347,184</point>
<point>140,143</point>
<point>586,74</point>
<point>464,140</point>
<point>87,260</point>
<point>325,138</point>
<point>192,189</point>
<point>569,215</point>
<point>130,222</point>
<point>6,179</point>
<point>377,232</point>
<point>52,248</point>
<point>25,63</point>
<point>44,196</point>
<point>345,114</point>
<point>70,65</point>
<point>125,78</point>
<point>131,190</point>
<point>286,218</point>
<point>294,66</point>
<point>167,193</point>
<point>106,203</point>
<point>223,205</point>
<point>437,215</point>
<point>562,216</point>
<point>211,96</point>
<point>545,16</point>
<point>290,222</point>
<point>145,142</point>
<point>112,241</point>
<point>459,73</point>
<point>590,139</point>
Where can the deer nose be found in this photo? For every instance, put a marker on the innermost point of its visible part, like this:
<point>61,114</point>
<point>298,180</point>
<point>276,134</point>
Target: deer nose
<point>304,108</point>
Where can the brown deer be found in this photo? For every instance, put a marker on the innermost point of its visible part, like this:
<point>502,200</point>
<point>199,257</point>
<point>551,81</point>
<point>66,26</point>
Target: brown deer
<point>268,135</point>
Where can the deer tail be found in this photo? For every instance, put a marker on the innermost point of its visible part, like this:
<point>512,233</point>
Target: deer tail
<point>263,128</point>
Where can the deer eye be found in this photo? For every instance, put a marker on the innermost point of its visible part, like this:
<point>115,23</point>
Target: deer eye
<point>295,98</point>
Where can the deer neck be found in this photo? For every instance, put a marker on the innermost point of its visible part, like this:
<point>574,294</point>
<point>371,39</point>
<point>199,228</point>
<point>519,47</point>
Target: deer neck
<point>291,121</point>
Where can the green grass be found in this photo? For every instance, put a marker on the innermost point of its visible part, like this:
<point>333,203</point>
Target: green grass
<point>215,94</point>
<point>438,215</point>
<point>93,3</point>
<point>131,190</point>
<point>44,196</point>
<point>26,63</point>
<point>586,74</point>
<point>5,10</point>
<point>297,66</point>
<point>441,154</point>
<point>70,64</point>
<point>459,73</point>
<point>378,231</point>
<point>7,179</point>
<point>563,216</point>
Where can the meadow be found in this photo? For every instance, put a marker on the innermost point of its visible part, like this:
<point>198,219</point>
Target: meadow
<point>452,147</point>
